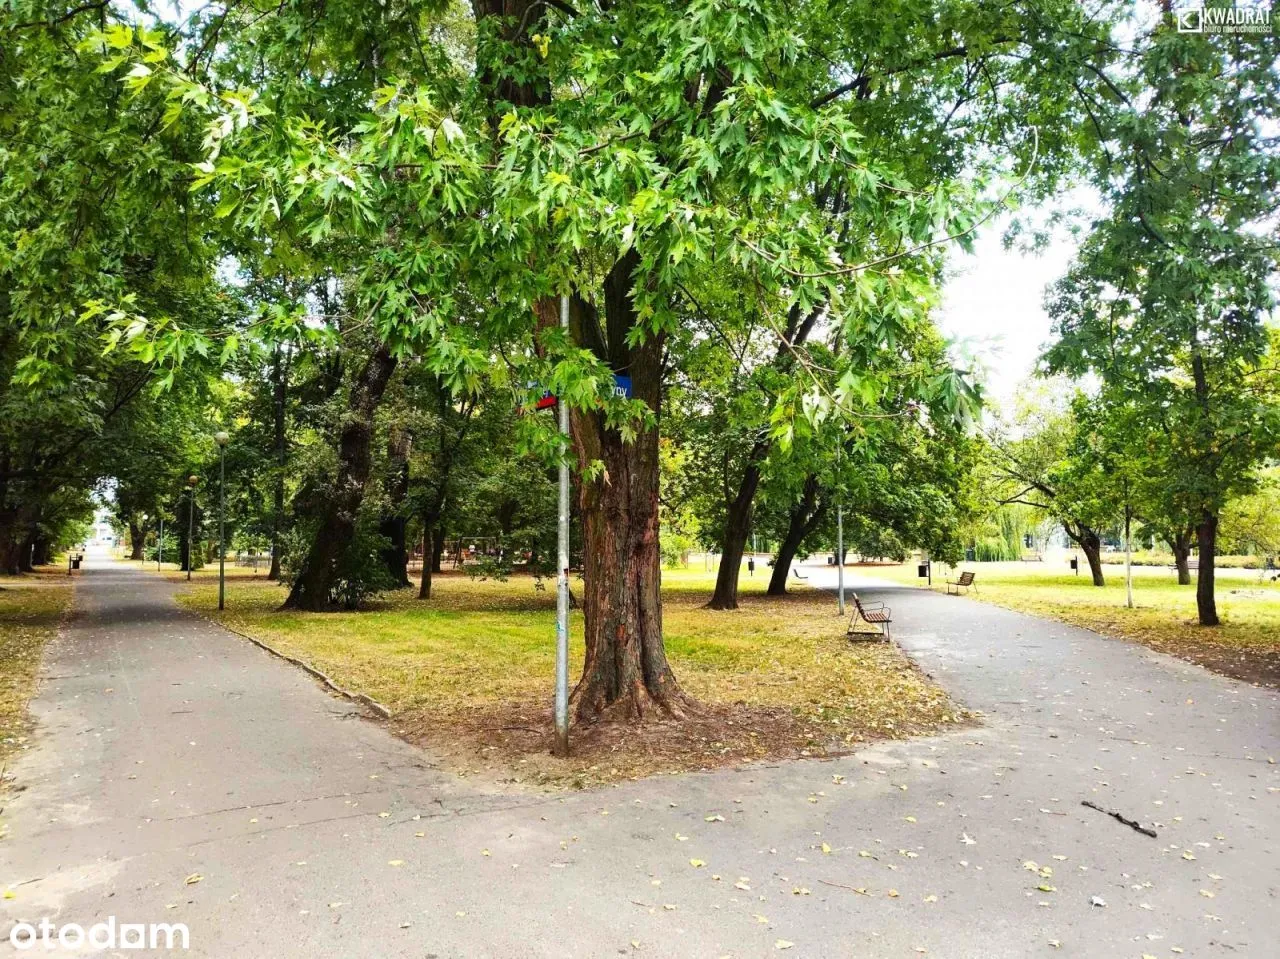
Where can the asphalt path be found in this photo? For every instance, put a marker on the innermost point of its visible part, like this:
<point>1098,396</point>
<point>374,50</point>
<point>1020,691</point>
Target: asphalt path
<point>180,774</point>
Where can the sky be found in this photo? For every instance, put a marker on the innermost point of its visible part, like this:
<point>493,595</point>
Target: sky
<point>992,306</point>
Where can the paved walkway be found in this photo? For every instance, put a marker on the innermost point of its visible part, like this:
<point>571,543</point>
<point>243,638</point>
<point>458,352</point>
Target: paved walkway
<point>169,748</point>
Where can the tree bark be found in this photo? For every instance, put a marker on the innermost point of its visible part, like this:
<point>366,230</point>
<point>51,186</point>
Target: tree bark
<point>395,524</point>
<point>1206,546</point>
<point>428,564</point>
<point>437,548</point>
<point>734,544</point>
<point>312,589</point>
<point>626,674</point>
<point>26,563</point>
<point>1091,544</point>
<point>1180,544</point>
<point>740,508</point>
<point>137,536</point>
<point>279,376</point>
<point>40,555</point>
<point>803,519</point>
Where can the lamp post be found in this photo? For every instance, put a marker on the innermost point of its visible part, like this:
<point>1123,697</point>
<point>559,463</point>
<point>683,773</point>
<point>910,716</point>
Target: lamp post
<point>160,543</point>
<point>191,520</point>
<point>222,438</point>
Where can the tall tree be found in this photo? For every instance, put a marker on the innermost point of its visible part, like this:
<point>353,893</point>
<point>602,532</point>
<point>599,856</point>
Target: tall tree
<point>1168,299</point>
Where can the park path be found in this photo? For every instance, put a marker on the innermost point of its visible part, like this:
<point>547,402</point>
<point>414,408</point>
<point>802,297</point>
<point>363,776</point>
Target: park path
<point>169,748</point>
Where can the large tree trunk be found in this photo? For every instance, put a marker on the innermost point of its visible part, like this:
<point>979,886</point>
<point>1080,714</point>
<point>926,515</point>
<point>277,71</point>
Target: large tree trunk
<point>312,589</point>
<point>279,377</point>
<point>17,532</point>
<point>394,524</point>
<point>1206,546</point>
<point>626,674</point>
<point>26,562</point>
<point>137,537</point>
<point>803,519</point>
<point>1180,544</point>
<point>40,555</point>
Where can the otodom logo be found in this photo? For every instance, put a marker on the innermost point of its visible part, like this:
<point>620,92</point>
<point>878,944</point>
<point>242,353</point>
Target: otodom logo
<point>109,934</point>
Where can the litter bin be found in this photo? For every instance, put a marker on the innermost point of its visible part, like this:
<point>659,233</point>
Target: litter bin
<point>75,562</point>
<point>922,570</point>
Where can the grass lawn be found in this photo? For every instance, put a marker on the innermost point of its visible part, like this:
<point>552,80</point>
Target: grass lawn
<point>470,673</point>
<point>1246,645</point>
<point>31,607</point>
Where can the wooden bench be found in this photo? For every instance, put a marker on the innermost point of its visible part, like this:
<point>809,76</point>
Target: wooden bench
<point>877,614</point>
<point>964,582</point>
<point>1193,566</point>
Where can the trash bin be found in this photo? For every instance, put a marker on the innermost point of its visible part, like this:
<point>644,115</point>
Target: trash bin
<point>75,562</point>
<point>922,570</point>
<point>970,554</point>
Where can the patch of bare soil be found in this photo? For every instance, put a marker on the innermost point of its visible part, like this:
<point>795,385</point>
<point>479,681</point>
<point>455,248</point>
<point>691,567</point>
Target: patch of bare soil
<point>512,744</point>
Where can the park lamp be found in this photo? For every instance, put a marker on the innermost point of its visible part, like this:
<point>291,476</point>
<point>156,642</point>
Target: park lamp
<point>222,438</point>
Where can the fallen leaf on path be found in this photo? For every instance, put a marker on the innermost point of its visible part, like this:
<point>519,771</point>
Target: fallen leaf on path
<point>696,863</point>
<point>783,944</point>
<point>395,862</point>
<point>192,879</point>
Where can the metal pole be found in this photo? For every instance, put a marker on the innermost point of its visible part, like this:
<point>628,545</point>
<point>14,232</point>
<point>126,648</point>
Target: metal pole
<point>562,583</point>
<point>1128,558</point>
<point>222,527</point>
<point>160,546</point>
<point>840,554</point>
<point>191,528</point>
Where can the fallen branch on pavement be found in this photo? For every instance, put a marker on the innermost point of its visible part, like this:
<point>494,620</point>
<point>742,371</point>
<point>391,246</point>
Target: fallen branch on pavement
<point>1131,823</point>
